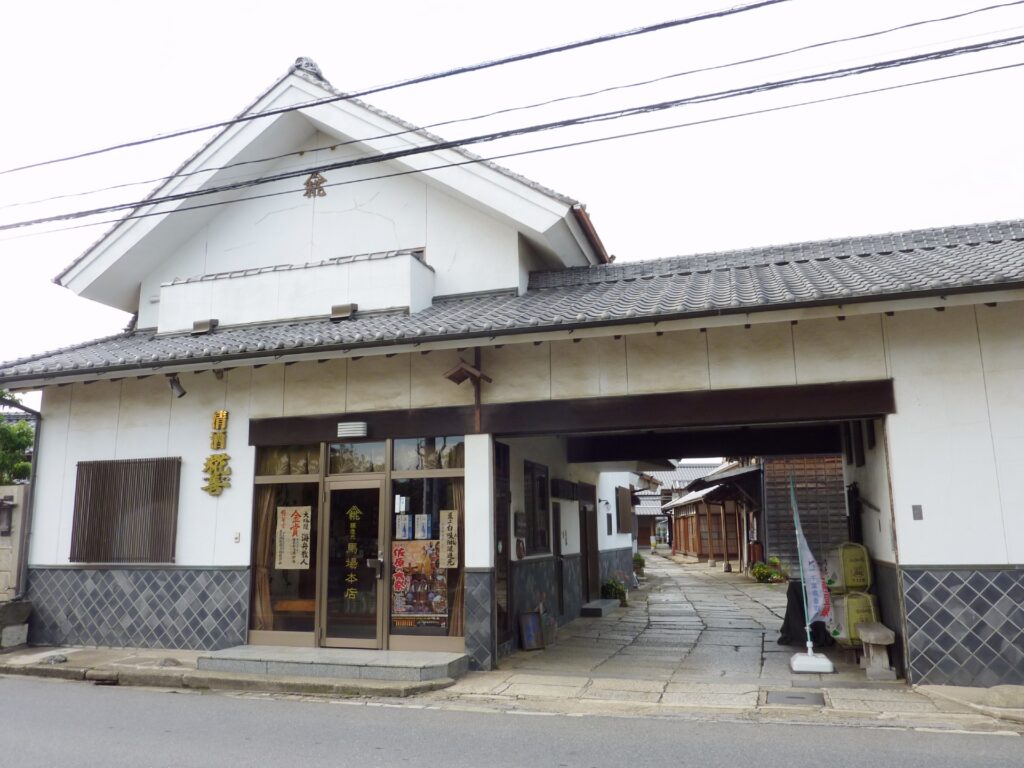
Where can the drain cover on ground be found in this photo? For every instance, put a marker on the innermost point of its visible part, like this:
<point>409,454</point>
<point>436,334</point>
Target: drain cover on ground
<point>796,698</point>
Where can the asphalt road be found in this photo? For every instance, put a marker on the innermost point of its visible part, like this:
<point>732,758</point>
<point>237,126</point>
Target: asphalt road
<point>47,723</point>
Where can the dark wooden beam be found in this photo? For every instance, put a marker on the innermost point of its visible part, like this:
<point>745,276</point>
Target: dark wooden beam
<point>738,441</point>
<point>419,422</point>
<point>755,405</point>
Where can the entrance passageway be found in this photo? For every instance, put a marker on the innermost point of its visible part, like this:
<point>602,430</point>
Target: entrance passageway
<point>688,621</point>
<point>691,639</point>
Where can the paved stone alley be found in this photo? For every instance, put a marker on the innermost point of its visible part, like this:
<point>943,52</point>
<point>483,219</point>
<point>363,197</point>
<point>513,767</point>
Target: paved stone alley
<point>694,639</point>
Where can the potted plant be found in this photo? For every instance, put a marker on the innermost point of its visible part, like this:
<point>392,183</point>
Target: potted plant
<point>614,589</point>
<point>638,564</point>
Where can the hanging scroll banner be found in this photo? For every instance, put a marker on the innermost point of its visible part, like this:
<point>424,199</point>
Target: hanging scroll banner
<point>449,546</point>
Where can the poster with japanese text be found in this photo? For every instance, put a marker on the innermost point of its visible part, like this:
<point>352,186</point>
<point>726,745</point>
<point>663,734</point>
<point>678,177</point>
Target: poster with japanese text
<point>293,538</point>
<point>449,546</point>
<point>419,587</point>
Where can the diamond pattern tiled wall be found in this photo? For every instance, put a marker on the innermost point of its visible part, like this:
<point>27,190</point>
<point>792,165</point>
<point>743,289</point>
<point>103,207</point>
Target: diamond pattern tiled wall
<point>965,627</point>
<point>139,607</point>
<point>616,562</point>
<point>479,604</point>
<point>572,587</point>
<point>533,580</point>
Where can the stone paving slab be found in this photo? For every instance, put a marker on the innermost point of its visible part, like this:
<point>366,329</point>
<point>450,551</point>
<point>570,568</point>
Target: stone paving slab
<point>627,684</point>
<point>713,700</point>
<point>544,691</point>
<point>614,694</point>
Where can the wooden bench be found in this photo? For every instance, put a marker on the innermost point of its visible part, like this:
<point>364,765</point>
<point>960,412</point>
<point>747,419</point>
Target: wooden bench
<point>876,639</point>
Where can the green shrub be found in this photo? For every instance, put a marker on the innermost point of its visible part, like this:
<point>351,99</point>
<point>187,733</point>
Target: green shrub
<point>771,573</point>
<point>639,560</point>
<point>613,589</point>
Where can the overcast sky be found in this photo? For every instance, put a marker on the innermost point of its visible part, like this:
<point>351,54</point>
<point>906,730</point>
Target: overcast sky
<point>84,75</point>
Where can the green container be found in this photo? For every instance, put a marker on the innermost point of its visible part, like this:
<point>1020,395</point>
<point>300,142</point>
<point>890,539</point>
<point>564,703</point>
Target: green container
<point>848,569</point>
<point>848,611</point>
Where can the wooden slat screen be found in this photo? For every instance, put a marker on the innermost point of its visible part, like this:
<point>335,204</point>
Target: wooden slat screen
<point>126,511</point>
<point>624,508</point>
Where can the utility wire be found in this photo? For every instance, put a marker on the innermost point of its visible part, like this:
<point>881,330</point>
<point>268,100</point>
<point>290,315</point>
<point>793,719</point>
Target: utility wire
<point>507,133</point>
<point>533,105</point>
<point>414,81</point>
<point>537,150</point>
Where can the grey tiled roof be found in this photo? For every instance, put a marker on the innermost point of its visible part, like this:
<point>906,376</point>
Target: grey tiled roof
<point>920,263</point>
<point>678,477</point>
<point>915,258</point>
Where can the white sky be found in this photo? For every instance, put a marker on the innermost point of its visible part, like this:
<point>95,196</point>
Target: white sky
<point>82,75</point>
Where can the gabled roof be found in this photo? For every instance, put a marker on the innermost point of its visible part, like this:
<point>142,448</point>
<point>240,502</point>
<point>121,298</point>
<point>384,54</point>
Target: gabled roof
<point>975,258</point>
<point>80,276</point>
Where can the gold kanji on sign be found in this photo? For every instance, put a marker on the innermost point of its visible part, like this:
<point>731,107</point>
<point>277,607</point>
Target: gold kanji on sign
<point>220,420</point>
<point>218,473</point>
<point>218,441</point>
<point>315,185</point>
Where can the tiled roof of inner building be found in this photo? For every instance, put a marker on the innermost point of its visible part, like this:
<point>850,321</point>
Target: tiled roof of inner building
<point>923,263</point>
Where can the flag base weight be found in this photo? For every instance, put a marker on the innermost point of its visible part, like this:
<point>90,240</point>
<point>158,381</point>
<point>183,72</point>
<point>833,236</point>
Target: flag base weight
<point>811,663</point>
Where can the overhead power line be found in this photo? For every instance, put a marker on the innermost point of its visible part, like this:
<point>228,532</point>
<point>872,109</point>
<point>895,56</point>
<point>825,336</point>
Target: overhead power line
<point>533,105</point>
<point>413,81</point>
<point>538,150</point>
<point>508,133</point>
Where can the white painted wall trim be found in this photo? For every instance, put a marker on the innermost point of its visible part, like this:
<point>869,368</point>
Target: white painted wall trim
<point>479,501</point>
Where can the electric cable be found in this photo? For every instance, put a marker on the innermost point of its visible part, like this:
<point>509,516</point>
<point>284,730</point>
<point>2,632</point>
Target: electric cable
<point>507,133</point>
<point>536,150</point>
<point>412,81</point>
<point>534,105</point>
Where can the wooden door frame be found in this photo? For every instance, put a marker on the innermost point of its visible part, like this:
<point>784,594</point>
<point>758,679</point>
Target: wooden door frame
<point>588,500</point>
<point>363,482</point>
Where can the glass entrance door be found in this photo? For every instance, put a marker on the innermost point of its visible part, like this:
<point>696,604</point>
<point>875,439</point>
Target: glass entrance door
<point>353,608</point>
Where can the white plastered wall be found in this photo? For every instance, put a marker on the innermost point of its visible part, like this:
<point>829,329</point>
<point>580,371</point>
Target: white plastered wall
<point>606,485</point>
<point>771,354</point>
<point>140,418</point>
<point>468,249</point>
<point>957,439</point>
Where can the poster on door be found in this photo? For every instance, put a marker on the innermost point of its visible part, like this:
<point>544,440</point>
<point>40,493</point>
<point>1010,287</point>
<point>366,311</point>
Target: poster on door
<point>419,586</point>
<point>293,538</point>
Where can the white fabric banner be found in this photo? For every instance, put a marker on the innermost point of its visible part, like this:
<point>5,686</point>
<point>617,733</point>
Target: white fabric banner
<point>816,594</point>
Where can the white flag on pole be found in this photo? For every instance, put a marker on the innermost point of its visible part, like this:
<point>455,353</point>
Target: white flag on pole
<point>819,602</point>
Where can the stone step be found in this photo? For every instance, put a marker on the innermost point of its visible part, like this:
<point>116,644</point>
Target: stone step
<point>342,663</point>
<point>598,607</point>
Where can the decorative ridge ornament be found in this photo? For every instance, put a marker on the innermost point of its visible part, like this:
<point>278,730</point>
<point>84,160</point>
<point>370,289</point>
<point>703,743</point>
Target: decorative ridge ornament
<point>306,64</point>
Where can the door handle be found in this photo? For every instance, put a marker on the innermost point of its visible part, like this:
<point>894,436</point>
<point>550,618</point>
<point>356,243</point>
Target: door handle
<point>377,564</point>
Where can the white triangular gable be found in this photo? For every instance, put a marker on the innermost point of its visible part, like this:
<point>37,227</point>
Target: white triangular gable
<point>481,228</point>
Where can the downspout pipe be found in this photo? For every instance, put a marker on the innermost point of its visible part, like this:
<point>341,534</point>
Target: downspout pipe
<point>26,522</point>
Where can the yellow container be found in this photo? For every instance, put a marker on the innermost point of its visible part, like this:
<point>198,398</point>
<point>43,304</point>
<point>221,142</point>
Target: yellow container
<point>848,569</point>
<point>848,611</point>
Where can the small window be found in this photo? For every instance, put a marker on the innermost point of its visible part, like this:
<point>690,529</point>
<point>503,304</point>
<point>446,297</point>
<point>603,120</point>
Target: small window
<point>624,509</point>
<point>288,460</point>
<point>126,511</point>
<point>536,495</point>
<point>356,457</point>
<point>420,453</point>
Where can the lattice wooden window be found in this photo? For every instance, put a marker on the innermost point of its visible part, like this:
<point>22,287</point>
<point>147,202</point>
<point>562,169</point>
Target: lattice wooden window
<point>126,511</point>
